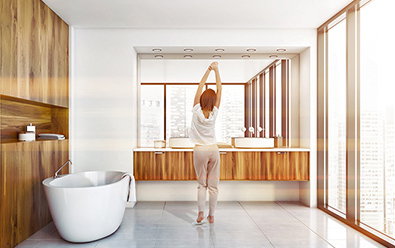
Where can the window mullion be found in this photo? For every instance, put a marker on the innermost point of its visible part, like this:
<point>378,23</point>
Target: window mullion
<point>321,118</point>
<point>351,127</point>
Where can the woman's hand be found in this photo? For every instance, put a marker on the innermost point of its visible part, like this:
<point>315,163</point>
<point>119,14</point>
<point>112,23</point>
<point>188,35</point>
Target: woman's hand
<point>214,66</point>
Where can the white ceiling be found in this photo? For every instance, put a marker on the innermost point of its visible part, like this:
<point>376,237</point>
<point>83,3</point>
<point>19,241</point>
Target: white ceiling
<point>196,13</point>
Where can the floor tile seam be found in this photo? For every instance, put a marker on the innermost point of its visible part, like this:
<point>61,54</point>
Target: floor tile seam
<point>96,244</point>
<point>256,224</point>
<point>157,228</point>
<point>37,245</point>
<point>305,225</point>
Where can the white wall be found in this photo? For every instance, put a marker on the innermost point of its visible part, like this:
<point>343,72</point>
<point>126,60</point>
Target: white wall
<point>103,113</point>
<point>295,102</point>
<point>308,120</point>
<point>192,70</point>
<point>228,191</point>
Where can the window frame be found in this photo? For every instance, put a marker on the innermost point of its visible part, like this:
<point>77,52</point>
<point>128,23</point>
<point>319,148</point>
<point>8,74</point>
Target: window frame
<point>256,90</point>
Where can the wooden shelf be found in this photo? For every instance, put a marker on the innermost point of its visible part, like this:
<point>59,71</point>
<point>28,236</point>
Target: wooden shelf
<point>30,102</point>
<point>13,142</point>
<point>16,114</point>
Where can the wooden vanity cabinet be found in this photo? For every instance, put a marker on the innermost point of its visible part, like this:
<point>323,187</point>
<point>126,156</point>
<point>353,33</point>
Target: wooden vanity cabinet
<point>179,166</point>
<point>299,166</point>
<point>159,165</point>
<point>146,166</point>
<point>227,165</point>
<point>286,166</point>
<point>237,165</point>
<point>270,166</point>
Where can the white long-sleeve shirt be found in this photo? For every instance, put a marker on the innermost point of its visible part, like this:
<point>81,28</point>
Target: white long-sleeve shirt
<point>202,130</point>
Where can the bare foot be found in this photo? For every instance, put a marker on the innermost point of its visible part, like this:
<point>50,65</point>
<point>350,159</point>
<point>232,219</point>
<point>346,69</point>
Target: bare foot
<point>210,219</point>
<point>200,217</point>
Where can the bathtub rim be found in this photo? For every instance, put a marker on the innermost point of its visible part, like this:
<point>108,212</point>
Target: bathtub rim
<point>46,182</point>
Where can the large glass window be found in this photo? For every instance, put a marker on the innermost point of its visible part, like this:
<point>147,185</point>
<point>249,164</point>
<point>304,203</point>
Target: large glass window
<point>267,105</point>
<point>178,101</point>
<point>152,119</point>
<point>230,121</point>
<point>377,139</point>
<point>279,98</point>
<point>337,116</point>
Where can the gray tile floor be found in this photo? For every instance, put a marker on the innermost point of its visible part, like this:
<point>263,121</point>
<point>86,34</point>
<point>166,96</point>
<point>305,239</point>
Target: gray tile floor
<point>238,224</point>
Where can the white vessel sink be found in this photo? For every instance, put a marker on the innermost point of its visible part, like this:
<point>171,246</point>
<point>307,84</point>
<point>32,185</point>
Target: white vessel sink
<point>252,142</point>
<point>180,142</point>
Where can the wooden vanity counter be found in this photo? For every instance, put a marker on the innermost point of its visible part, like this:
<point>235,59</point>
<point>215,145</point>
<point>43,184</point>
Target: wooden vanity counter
<point>275,164</point>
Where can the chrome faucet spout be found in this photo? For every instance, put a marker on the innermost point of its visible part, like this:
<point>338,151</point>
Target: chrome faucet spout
<point>56,173</point>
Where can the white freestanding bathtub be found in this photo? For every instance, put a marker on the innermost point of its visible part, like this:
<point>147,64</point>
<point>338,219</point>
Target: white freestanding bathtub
<point>87,206</point>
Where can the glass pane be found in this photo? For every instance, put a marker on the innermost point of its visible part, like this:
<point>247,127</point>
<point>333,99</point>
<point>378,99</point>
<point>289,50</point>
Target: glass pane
<point>278,99</point>
<point>151,114</point>
<point>230,120</point>
<point>267,101</point>
<point>337,117</point>
<point>179,101</point>
<point>377,104</point>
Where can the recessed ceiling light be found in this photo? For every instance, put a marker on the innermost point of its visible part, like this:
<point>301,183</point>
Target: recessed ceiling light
<point>156,50</point>
<point>216,56</point>
<point>188,56</point>
<point>246,56</point>
<point>158,56</point>
<point>251,50</point>
<point>188,50</point>
<point>220,50</point>
<point>273,56</point>
<point>281,50</point>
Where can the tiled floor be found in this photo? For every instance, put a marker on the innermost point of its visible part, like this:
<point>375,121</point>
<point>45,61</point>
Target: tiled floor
<point>238,224</point>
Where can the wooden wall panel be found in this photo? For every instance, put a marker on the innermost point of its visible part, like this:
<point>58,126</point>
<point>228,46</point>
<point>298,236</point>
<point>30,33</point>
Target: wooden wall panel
<point>23,206</point>
<point>34,89</point>
<point>34,52</point>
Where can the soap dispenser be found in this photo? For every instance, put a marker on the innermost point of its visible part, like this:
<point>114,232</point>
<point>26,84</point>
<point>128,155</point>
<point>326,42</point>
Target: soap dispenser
<point>29,135</point>
<point>31,128</point>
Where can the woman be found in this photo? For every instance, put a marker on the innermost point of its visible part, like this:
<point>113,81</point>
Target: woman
<point>206,153</point>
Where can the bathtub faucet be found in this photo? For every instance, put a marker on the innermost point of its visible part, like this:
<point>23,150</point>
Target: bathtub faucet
<point>56,173</point>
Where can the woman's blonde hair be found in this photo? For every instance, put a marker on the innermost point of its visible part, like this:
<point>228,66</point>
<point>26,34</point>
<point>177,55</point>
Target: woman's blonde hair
<point>207,100</point>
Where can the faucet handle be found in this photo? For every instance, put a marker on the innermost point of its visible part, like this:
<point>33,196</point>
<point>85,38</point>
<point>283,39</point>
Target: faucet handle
<point>260,129</point>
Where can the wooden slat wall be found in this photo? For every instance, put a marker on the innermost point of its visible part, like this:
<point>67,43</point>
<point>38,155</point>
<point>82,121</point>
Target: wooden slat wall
<point>34,52</point>
<point>23,205</point>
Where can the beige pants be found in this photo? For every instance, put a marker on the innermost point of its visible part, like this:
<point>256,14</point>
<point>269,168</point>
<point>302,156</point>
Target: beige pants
<point>207,166</point>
